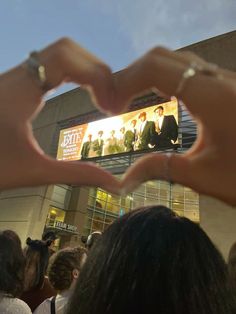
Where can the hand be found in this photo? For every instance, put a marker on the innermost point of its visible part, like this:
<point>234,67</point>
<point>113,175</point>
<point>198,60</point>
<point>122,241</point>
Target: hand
<point>23,163</point>
<point>209,167</point>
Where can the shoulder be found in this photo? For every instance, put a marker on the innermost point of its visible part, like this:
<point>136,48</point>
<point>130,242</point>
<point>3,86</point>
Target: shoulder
<point>13,305</point>
<point>169,117</point>
<point>44,307</point>
<point>151,124</point>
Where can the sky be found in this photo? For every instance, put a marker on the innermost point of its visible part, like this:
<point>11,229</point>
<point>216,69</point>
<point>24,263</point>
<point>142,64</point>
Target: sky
<point>118,32</point>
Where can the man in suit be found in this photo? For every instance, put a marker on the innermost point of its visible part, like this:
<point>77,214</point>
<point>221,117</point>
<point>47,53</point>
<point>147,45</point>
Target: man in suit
<point>121,140</point>
<point>98,144</point>
<point>130,137</point>
<point>86,147</point>
<point>146,135</point>
<point>166,128</point>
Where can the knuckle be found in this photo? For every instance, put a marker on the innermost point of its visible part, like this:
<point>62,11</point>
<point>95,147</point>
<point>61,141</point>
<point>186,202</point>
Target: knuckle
<point>102,70</point>
<point>65,42</point>
<point>157,50</point>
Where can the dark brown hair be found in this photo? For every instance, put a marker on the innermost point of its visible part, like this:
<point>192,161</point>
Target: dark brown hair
<point>37,257</point>
<point>153,261</point>
<point>232,265</point>
<point>12,263</point>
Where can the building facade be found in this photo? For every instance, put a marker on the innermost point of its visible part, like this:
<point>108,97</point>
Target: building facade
<point>75,211</point>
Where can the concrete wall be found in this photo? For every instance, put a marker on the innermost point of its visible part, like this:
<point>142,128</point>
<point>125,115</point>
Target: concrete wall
<point>219,222</point>
<point>220,50</point>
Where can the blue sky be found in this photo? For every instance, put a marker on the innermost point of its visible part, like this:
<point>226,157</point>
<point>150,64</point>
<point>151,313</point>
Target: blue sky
<point>116,31</point>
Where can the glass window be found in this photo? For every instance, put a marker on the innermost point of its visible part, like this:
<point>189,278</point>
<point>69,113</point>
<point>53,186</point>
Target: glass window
<point>104,208</point>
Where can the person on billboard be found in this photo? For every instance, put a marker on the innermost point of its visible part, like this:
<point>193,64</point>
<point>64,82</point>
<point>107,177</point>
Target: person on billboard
<point>121,140</point>
<point>86,147</point>
<point>146,135</point>
<point>111,146</point>
<point>98,144</point>
<point>166,128</point>
<point>130,137</point>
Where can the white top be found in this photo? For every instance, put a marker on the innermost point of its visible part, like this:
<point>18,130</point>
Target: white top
<point>60,304</point>
<point>10,305</point>
<point>160,121</point>
<point>142,126</point>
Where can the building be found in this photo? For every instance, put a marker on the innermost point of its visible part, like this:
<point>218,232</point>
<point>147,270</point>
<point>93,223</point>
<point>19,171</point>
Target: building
<point>75,211</point>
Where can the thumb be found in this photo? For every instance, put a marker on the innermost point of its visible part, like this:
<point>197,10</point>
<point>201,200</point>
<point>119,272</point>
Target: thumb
<point>168,167</point>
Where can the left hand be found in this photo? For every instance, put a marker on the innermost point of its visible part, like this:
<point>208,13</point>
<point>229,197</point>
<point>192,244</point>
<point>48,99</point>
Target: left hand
<point>23,163</point>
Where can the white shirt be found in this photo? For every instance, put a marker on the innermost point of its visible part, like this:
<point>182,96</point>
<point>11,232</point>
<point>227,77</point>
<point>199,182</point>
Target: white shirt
<point>142,126</point>
<point>160,121</point>
<point>10,305</point>
<point>61,303</point>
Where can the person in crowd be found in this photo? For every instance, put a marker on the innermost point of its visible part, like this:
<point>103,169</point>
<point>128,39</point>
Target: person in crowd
<point>232,266</point>
<point>153,261</point>
<point>12,265</point>
<point>36,285</point>
<point>93,239</point>
<point>98,144</point>
<point>131,137</point>
<point>208,167</point>
<point>63,272</point>
<point>87,146</point>
<point>146,134</point>
<point>166,128</point>
<point>50,236</point>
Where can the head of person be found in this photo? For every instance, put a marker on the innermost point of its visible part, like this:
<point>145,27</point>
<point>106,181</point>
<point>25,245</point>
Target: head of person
<point>64,267</point>
<point>142,116</point>
<point>133,123</point>
<point>93,239</point>
<point>159,111</point>
<point>232,265</point>
<point>113,133</point>
<point>37,256</point>
<point>12,264</point>
<point>122,130</point>
<point>152,261</point>
<point>100,133</point>
<point>49,236</point>
<point>90,137</point>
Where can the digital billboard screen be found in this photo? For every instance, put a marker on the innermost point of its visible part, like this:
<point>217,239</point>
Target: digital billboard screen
<point>150,128</point>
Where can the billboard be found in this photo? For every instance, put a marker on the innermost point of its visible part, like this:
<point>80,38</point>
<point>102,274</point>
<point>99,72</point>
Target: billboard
<point>150,128</point>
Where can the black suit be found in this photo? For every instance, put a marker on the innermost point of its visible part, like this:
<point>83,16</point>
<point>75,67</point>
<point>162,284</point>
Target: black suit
<point>85,150</point>
<point>98,147</point>
<point>147,136</point>
<point>130,137</point>
<point>168,132</point>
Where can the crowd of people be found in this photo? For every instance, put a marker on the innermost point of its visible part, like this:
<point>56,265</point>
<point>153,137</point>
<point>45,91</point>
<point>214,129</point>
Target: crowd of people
<point>149,260</point>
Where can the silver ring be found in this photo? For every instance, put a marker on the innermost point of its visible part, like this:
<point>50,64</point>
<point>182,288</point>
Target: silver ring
<point>187,74</point>
<point>37,70</point>
<point>194,68</point>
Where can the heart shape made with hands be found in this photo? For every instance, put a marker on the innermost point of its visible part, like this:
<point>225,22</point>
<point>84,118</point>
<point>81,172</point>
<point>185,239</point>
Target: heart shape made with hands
<point>23,163</point>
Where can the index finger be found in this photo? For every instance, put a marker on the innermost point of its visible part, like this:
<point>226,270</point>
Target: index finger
<point>164,70</point>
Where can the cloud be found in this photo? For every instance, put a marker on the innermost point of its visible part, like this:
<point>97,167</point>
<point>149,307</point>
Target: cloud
<point>171,23</point>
